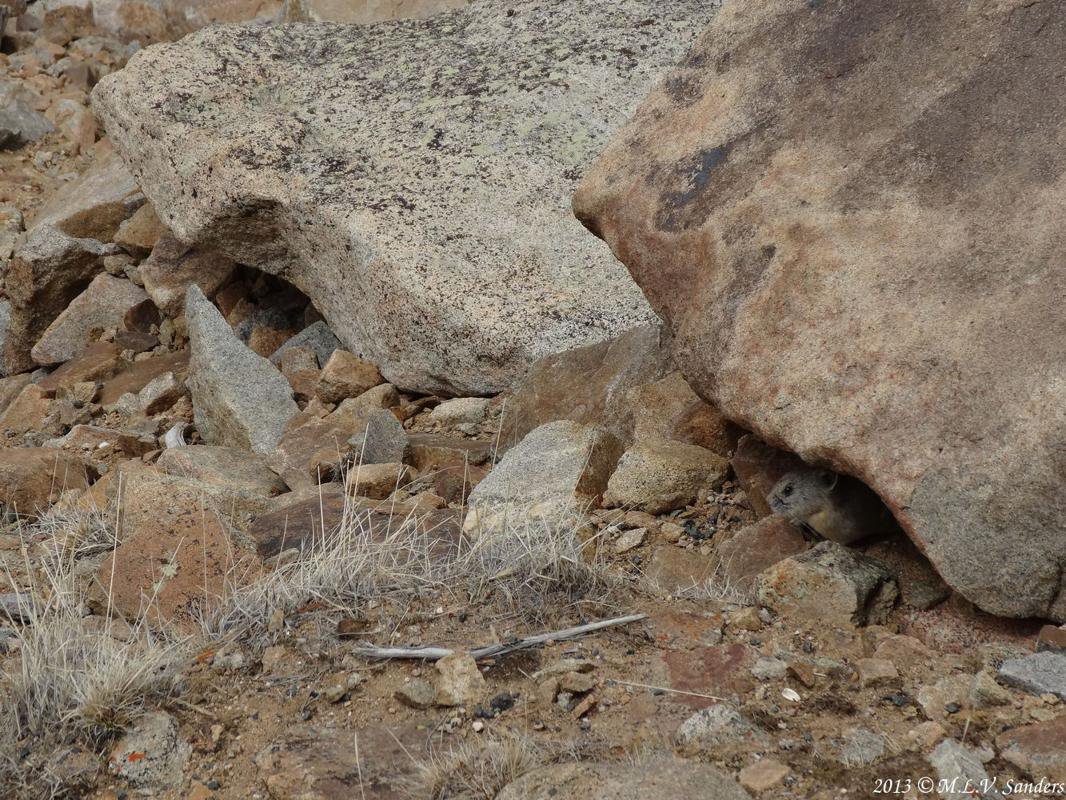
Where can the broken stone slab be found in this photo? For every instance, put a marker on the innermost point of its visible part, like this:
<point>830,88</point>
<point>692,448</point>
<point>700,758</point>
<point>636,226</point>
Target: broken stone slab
<point>660,475</point>
<point>20,122</point>
<point>48,271</point>
<point>376,481</point>
<point>669,409</point>
<point>139,234</point>
<point>407,268</point>
<point>317,337</point>
<point>961,773</point>
<point>173,267</point>
<point>102,305</point>
<point>829,584</point>
<point>1038,749</point>
<point>93,206</point>
<point>160,393</point>
<point>239,398</point>
<point>661,776</point>
<point>461,411</point>
<point>346,375</point>
<point>98,444</point>
<point>150,496</point>
<point>224,467</point>
<point>458,681</point>
<point>587,384</point>
<point>1037,673</point>
<point>808,328</point>
<point>553,476</point>
<point>32,409</point>
<point>172,566</point>
<point>312,448</point>
<point>755,548</point>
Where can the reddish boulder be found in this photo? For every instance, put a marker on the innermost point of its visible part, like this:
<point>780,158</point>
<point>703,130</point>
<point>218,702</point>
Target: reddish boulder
<point>857,266</point>
<point>32,478</point>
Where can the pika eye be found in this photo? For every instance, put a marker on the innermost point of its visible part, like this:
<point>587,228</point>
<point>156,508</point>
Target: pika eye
<point>787,490</point>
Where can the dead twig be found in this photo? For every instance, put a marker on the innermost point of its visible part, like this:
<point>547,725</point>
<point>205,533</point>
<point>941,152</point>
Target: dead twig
<point>666,689</point>
<point>478,653</point>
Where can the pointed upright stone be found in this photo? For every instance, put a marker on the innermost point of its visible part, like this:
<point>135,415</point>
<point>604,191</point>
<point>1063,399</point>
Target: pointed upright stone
<point>239,398</point>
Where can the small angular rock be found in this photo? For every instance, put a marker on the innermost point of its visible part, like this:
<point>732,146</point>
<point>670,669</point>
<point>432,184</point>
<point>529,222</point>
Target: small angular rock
<point>829,583</point>
<point>376,481</point>
<point>318,338</point>
<point>153,754</point>
<point>346,375</point>
<point>961,772</point>
<point>458,681</point>
<point>553,475</point>
<point>659,476</point>
<point>102,305</point>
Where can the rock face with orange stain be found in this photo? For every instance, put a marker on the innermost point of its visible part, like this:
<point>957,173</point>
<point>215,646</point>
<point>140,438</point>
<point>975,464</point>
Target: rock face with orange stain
<point>857,268</point>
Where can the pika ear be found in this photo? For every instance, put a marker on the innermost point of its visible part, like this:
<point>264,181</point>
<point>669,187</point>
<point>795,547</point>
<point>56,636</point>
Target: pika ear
<point>829,479</point>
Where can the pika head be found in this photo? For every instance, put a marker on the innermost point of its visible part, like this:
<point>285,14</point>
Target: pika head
<point>802,493</point>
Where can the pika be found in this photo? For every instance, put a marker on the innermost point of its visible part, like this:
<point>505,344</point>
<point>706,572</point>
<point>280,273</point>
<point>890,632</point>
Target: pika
<point>832,506</point>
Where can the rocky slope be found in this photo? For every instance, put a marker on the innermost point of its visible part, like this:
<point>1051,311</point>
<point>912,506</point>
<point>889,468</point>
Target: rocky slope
<point>215,516</point>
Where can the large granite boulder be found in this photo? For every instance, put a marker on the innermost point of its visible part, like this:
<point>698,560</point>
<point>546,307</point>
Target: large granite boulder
<point>364,11</point>
<point>413,178</point>
<point>851,217</point>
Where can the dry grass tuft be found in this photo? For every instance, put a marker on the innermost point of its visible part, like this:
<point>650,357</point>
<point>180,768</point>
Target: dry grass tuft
<point>73,683</point>
<point>479,769</point>
<point>345,569</point>
<point>535,568</point>
<point>532,569</point>
<point>719,587</point>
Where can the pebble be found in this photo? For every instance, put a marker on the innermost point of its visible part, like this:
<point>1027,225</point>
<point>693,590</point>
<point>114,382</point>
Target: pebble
<point>876,672</point>
<point>763,774</point>
<point>768,668</point>
<point>629,540</point>
<point>418,694</point>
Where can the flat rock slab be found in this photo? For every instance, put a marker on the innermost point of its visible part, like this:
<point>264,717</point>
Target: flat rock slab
<point>319,763</point>
<point>660,777</point>
<point>102,305</point>
<point>412,178</point>
<point>1038,749</point>
<point>859,267</point>
<point>1039,673</point>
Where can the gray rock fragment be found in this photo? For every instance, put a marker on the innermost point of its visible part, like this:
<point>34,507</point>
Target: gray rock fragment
<point>1039,673</point>
<point>961,773</point>
<point>317,337</point>
<point>239,398</point>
